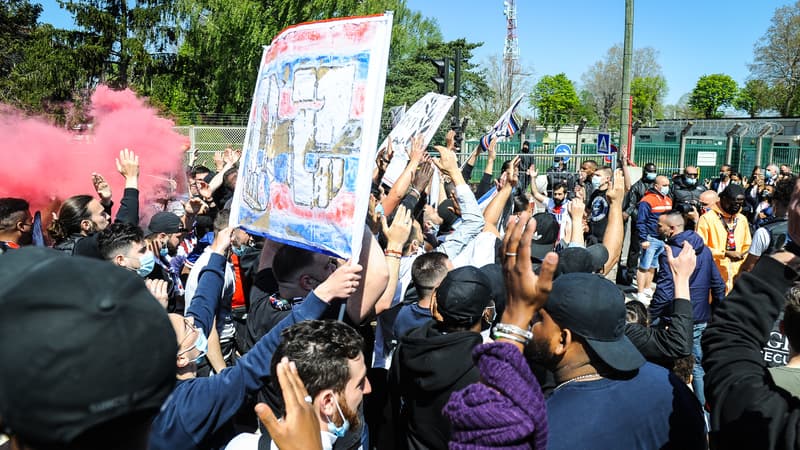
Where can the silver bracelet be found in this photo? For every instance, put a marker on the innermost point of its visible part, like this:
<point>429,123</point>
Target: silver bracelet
<point>512,337</point>
<point>513,329</point>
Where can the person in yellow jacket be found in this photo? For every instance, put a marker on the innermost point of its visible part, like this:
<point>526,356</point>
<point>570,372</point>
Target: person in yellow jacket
<point>726,232</point>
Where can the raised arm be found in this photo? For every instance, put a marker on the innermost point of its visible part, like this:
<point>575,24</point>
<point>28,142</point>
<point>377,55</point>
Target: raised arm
<point>615,230</point>
<point>361,303</point>
<point>493,211</point>
<point>396,235</point>
<point>533,173</point>
<point>401,185</point>
<point>128,167</point>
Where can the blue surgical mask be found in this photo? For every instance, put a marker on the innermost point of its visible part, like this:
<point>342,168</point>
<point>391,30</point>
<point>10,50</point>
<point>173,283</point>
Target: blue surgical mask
<point>339,432</point>
<point>651,176</point>
<point>690,181</point>
<point>555,164</point>
<point>379,209</point>
<point>163,252</point>
<point>596,182</point>
<point>146,264</point>
<point>239,251</point>
<point>665,191</point>
<point>201,344</point>
<point>768,175</point>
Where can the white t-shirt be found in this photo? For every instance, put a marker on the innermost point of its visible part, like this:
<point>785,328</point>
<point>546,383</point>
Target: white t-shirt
<point>761,240</point>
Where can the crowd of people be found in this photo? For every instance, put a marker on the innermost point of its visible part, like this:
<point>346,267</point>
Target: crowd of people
<point>494,316</point>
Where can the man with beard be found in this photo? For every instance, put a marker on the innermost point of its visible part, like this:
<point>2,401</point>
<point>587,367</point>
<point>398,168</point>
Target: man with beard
<point>578,334</point>
<point>162,236</point>
<point>726,232</point>
<point>557,206</point>
<point>16,223</point>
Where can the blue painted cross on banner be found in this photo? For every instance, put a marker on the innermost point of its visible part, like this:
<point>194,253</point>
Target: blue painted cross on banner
<point>603,143</point>
<point>564,150</point>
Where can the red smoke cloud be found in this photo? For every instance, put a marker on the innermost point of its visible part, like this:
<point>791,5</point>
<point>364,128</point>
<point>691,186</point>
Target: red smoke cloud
<point>41,162</point>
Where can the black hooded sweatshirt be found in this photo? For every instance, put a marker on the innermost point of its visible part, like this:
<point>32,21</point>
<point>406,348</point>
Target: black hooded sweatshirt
<point>428,365</point>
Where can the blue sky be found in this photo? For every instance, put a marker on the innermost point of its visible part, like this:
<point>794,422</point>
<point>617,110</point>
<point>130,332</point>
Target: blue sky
<point>693,38</point>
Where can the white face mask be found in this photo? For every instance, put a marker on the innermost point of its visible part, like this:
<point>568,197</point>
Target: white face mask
<point>597,181</point>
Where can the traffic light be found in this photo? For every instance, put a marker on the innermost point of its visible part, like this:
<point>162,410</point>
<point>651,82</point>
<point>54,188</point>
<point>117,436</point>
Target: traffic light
<point>442,74</point>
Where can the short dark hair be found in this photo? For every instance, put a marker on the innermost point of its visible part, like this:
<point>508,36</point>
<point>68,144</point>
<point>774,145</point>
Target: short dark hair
<point>201,169</point>
<point>427,270</point>
<point>784,189</point>
<point>117,237</point>
<point>521,203</point>
<point>10,209</point>
<point>646,166</point>
<point>791,317</point>
<point>289,260</point>
<point>591,162</point>
<point>320,349</point>
<point>560,185</point>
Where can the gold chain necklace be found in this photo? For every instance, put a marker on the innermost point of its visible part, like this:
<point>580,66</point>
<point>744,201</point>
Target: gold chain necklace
<point>588,376</point>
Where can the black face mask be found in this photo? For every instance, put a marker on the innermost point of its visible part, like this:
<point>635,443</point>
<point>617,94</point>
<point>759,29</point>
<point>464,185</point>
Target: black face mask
<point>731,208</point>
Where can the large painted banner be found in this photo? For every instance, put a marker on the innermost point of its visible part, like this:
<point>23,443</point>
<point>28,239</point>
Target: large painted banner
<point>424,117</point>
<point>312,135</point>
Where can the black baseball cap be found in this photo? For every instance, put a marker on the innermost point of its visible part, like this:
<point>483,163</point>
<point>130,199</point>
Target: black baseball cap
<point>546,235</point>
<point>582,259</point>
<point>463,295</point>
<point>82,342</point>
<point>165,222</point>
<point>593,308</point>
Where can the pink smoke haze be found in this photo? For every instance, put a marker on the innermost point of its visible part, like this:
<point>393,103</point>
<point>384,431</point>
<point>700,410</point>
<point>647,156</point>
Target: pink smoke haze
<point>42,162</point>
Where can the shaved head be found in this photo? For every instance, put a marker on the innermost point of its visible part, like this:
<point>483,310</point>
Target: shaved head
<point>709,197</point>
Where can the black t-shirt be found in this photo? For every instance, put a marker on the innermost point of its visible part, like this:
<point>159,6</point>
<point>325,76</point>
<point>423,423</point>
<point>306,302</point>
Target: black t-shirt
<point>598,218</point>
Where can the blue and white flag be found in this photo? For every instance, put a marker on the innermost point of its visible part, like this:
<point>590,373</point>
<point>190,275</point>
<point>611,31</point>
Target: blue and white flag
<point>505,127</point>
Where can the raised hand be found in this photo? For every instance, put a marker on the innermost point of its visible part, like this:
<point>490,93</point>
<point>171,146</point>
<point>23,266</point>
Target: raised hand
<point>397,234</point>
<point>341,283</point>
<point>222,241</point>
<point>299,428</point>
<point>533,172</point>
<point>128,164</point>
<point>159,290</point>
<point>683,265</point>
<point>195,206</point>
<point>417,148</point>
<point>450,139</point>
<point>102,188</point>
<point>513,171</point>
<point>526,291</point>
<point>219,161</point>
<point>447,161</point>
<point>617,191</point>
<point>423,175</point>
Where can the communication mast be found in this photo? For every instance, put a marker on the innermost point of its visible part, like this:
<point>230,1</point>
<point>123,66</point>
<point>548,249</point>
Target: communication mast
<point>511,49</point>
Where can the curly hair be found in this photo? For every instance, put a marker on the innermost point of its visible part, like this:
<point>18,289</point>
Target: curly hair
<point>117,238</point>
<point>784,189</point>
<point>320,349</point>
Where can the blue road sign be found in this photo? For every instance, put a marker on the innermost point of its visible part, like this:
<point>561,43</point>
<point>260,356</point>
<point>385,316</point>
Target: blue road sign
<point>563,149</point>
<point>603,143</point>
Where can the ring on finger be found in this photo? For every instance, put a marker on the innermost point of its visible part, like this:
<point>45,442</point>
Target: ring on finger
<point>510,254</point>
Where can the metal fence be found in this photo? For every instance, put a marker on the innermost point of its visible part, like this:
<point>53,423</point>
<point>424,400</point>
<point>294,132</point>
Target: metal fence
<point>209,139</point>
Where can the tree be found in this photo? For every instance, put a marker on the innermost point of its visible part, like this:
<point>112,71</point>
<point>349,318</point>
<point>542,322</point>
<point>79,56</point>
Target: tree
<point>116,38</point>
<point>712,92</point>
<point>486,108</point>
<point>754,97</point>
<point>777,58</point>
<point>648,96</point>
<point>17,25</point>
<point>555,98</point>
<point>603,80</point>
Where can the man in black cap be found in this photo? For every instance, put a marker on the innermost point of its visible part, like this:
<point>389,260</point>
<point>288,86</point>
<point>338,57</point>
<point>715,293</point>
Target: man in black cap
<point>579,334</point>
<point>434,360</point>
<point>87,356</point>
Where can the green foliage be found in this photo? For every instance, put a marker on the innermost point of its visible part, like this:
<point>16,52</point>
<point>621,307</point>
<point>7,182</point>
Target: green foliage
<point>712,92</point>
<point>754,97</point>
<point>555,98</point>
<point>776,59</point>
<point>648,97</point>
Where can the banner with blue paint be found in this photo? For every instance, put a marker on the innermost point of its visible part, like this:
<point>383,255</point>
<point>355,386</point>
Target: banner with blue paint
<point>309,150</point>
